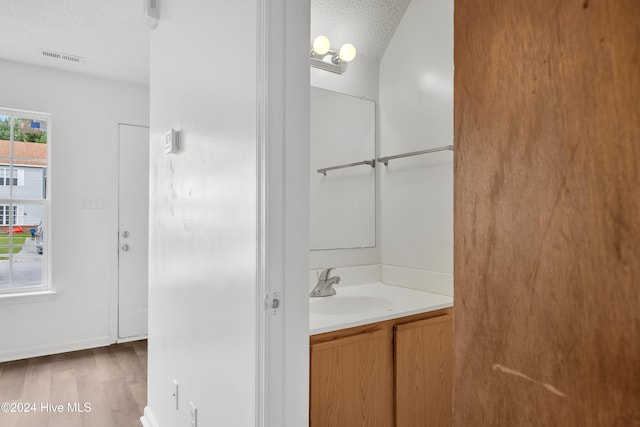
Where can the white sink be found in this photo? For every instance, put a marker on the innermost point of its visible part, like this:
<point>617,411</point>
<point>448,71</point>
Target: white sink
<point>340,305</point>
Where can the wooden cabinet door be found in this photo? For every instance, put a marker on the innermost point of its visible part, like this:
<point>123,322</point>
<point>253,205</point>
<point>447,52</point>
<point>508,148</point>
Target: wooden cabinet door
<point>352,382</point>
<point>424,373</point>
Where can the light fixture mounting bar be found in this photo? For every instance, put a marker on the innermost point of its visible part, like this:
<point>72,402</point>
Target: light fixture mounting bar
<point>325,58</point>
<point>338,68</point>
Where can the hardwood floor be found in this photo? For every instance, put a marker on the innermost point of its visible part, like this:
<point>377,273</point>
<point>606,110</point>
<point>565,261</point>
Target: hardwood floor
<point>101,387</point>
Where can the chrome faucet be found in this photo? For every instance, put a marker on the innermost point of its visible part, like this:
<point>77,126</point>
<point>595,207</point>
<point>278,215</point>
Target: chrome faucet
<point>324,288</point>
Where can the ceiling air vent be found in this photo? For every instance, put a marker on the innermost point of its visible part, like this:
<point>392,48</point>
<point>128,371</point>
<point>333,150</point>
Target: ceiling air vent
<point>62,56</point>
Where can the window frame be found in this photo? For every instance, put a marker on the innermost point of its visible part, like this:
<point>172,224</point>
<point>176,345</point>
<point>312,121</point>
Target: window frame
<point>45,287</point>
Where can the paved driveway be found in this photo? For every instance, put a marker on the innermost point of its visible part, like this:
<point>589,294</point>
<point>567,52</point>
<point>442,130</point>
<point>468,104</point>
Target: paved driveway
<point>27,267</point>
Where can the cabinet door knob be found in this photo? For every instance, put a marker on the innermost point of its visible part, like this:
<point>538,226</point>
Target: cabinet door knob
<point>125,248</point>
<point>125,234</point>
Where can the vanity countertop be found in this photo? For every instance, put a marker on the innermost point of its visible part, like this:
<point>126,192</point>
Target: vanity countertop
<point>362,304</point>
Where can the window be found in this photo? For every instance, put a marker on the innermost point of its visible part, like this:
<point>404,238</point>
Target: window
<point>24,201</point>
<point>6,176</point>
<point>5,213</point>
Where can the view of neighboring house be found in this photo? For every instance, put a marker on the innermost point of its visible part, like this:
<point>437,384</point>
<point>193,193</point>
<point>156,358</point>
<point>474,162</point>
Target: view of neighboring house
<point>28,177</point>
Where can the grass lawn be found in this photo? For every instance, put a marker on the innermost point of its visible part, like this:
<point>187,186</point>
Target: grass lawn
<point>18,241</point>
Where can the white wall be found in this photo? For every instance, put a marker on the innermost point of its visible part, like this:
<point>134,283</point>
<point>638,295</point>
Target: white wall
<point>413,87</point>
<point>360,79</point>
<point>416,112</point>
<point>202,273</point>
<point>83,166</point>
<point>206,258</point>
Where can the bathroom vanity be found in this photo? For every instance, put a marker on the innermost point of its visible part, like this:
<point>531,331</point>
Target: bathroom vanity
<point>381,355</point>
<point>386,362</point>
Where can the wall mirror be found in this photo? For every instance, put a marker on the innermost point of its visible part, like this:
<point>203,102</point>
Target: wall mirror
<point>343,193</point>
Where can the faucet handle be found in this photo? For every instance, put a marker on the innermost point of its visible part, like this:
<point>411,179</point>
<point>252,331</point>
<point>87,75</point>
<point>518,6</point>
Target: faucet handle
<point>324,287</point>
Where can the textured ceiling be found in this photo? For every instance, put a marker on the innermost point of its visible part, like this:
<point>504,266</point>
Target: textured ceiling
<point>110,35</point>
<point>114,42</point>
<point>368,24</point>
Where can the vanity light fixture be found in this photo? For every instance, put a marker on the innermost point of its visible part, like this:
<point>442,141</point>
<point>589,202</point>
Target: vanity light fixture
<point>323,57</point>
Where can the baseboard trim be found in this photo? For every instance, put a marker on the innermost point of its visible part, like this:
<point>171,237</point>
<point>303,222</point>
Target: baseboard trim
<point>37,351</point>
<point>129,339</point>
<point>148,420</point>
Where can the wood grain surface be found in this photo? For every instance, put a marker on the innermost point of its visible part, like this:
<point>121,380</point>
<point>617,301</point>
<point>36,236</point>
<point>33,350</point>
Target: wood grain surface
<point>352,381</point>
<point>333,365</point>
<point>112,380</point>
<point>424,373</point>
<point>547,213</point>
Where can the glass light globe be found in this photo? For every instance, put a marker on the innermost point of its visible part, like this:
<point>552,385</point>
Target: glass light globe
<point>347,52</point>
<point>321,45</point>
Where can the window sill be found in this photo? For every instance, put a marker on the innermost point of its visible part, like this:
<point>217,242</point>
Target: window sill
<point>23,297</point>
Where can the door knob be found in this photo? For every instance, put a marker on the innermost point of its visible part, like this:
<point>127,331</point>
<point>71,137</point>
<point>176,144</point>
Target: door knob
<point>125,248</point>
<point>125,234</point>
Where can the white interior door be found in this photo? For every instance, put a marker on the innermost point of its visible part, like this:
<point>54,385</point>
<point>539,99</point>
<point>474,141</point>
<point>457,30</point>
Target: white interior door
<point>133,233</point>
